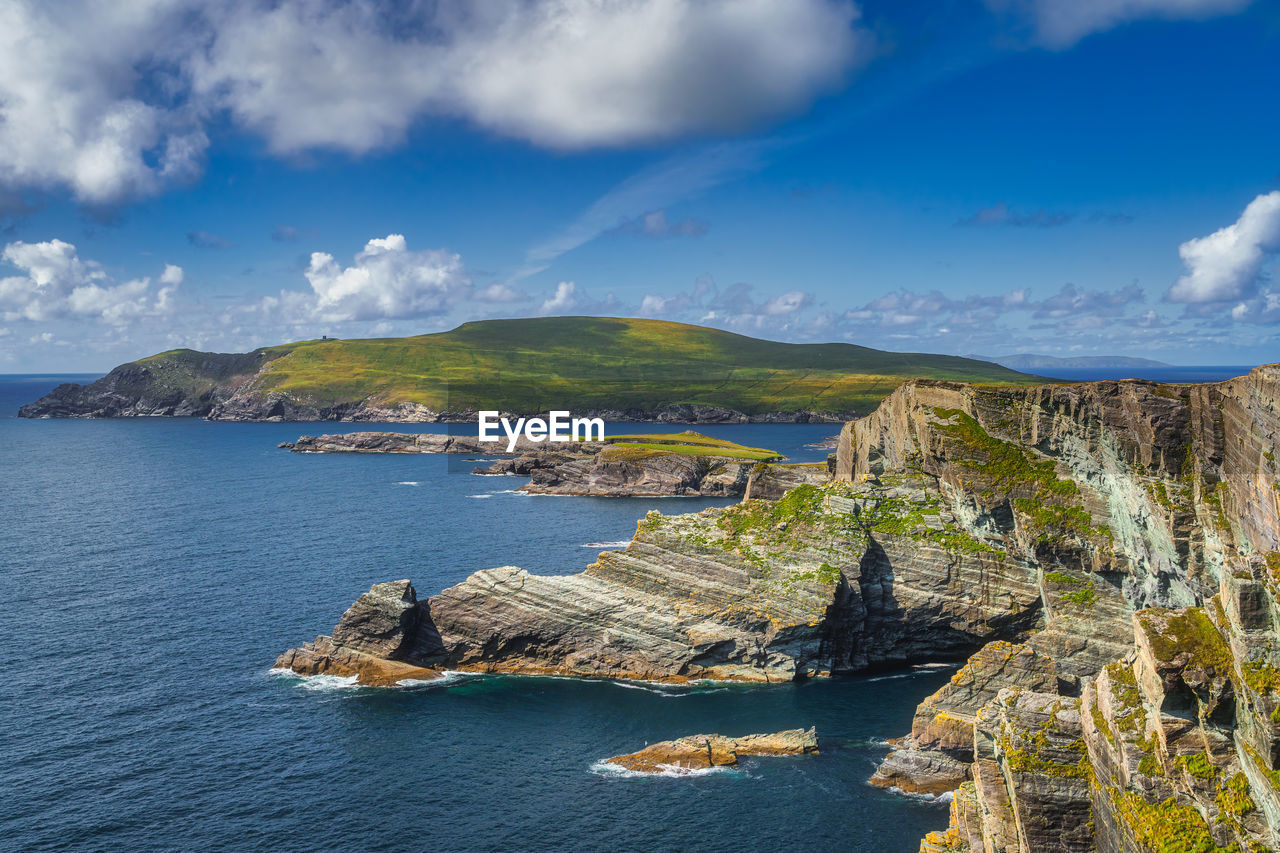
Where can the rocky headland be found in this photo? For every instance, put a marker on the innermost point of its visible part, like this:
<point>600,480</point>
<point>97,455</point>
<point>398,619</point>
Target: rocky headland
<point>699,466</point>
<point>703,752</point>
<point>619,369</point>
<point>1105,556</point>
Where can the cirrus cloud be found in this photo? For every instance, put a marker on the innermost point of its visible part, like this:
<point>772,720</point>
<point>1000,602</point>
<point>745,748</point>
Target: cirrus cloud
<point>1060,24</point>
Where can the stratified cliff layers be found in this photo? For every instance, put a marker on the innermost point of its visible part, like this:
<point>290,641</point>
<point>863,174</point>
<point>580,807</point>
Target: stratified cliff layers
<point>1104,554</point>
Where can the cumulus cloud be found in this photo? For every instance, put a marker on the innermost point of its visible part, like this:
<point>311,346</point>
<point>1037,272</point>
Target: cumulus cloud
<point>569,298</point>
<point>70,114</point>
<point>55,283</point>
<point>386,281</point>
<point>1061,24</point>
<point>111,99</point>
<point>563,300</point>
<point>1229,263</point>
<point>735,306</point>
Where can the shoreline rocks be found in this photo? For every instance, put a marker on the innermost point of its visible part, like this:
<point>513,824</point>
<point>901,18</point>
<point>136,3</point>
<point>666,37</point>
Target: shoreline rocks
<point>703,752</point>
<point>1106,554</point>
<point>592,469</point>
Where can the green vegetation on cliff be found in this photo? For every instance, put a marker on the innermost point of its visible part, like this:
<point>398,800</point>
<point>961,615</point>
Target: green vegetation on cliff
<point>687,443</point>
<point>533,365</point>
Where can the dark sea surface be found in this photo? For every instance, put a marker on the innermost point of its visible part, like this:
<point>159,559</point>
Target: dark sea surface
<point>152,569</point>
<point>1179,373</point>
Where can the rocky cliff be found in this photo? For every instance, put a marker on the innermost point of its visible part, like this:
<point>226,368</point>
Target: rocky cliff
<point>1104,554</point>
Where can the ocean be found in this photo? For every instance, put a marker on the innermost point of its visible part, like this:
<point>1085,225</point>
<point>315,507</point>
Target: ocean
<point>152,570</point>
<point>1170,373</point>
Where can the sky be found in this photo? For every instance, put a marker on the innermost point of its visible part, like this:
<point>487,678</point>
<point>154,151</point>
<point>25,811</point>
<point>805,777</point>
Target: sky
<point>1095,177</point>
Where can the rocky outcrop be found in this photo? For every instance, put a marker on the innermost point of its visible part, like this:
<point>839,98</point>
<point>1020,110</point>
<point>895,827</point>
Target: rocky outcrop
<point>590,468</point>
<point>617,472</point>
<point>410,442</point>
<point>825,579</point>
<point>703,752</point>
<point>1106,553</point>
<point>369,641</point>
<point>182,383</point>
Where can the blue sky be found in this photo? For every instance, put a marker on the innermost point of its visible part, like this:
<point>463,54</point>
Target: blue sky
<point>1095,177</point>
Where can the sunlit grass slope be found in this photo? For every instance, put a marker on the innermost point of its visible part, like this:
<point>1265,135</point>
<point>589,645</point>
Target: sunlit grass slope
<point>581,363</point>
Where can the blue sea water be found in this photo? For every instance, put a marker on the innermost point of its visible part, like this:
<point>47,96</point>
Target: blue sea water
<point>152,569</point>
<point>1171,373</point>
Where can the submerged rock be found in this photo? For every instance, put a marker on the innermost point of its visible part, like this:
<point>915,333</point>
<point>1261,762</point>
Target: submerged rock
<point>700,752</point>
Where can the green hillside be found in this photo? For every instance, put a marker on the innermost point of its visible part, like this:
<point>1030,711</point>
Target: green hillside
<point>520,366</point>
<point>530,365</point>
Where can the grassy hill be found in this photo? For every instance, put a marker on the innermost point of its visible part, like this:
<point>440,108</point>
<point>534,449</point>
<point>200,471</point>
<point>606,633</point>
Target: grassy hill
<point>535,364</point>
<point>532,365</point>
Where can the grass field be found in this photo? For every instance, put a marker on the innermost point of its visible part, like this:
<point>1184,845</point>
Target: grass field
<point>688,443</point>
<point>584,363</point>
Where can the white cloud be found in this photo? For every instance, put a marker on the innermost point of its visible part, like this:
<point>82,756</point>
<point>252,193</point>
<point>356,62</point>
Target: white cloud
<point>582,72</point>
<point>111,99</point>
<point>655,224</point>
<point>55,282</point>
<point>499,292</point>
<point>1062,23</point>
<point>69,115</point>
<point>1228,264</point>
<point>563,300</point>
<point>387,281</point>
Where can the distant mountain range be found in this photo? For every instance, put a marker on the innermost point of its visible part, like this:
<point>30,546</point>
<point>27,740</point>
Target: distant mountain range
<point>1030,361</point>
<point>627,369</point>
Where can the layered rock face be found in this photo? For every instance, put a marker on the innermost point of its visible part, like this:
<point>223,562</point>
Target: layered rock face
<point>825,579</point>
<point>703,752</point>
<point>1139,717</point>
<point>1106,552</point>
<point>611,472</point>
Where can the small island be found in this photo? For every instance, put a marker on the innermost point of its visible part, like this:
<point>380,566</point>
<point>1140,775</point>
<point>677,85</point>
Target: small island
<point>704,752</point>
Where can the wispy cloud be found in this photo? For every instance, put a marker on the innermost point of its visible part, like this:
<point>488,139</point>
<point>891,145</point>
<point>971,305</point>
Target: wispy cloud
<point>665,183</point>
<point>207,240</point>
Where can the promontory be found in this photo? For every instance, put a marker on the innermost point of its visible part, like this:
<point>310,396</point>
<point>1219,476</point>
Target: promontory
<point>615,368</point>
<point>1104,557</point>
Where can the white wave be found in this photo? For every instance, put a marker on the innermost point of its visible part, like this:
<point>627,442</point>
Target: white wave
<point>934,666</point>
<point>345,682</point>
<point>893,677</point>
<point>446,677</point>
<point>621,543</point>
<point>671,691</point>
<point>408,483</point>
<point>482,495</point>
<point>317,682</point>
<point>666,771</point>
